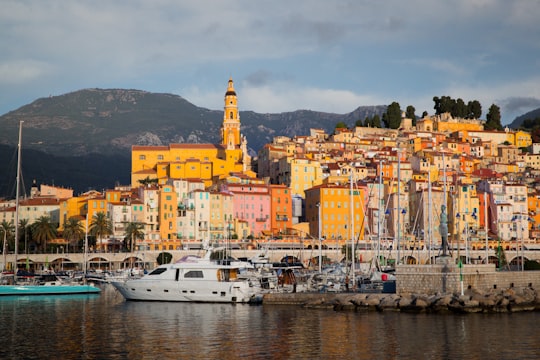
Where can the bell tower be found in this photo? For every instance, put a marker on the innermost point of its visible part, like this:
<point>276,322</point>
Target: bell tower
<point>230,130</point>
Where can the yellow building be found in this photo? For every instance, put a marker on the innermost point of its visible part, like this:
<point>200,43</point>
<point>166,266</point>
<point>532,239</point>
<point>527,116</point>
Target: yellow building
<point>519,138</point>
<point>299,174</point>
<point>168,205</point>
<point>89,203</point>
<point>209,162</point>
<point>328,207</point>
<point>446,123</point>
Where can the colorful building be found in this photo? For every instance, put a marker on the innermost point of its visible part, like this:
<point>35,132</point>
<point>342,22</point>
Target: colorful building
<point>205,161</point>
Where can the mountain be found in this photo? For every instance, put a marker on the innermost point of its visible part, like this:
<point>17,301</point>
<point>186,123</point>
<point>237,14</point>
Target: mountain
<point>81,173</point>
<point>533,114</point>
<point>83,139</point>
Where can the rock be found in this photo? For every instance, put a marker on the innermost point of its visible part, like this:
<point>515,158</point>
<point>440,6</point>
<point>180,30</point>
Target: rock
<point>390,302</point>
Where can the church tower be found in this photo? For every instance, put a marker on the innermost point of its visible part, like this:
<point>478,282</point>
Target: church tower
<point>230,131</point>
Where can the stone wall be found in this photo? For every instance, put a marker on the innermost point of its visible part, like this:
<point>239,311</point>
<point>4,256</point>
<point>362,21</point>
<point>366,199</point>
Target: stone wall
<point>445,278</point>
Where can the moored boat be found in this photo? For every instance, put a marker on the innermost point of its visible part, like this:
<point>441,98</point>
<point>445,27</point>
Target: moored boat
<point>47,285</point>
<point>193,279</point>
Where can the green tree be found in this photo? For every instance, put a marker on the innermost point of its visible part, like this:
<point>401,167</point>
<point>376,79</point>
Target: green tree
<point>359,123</point>
<point>392,116</point>
<point>474,109</point>
<point>445,104</point>
<point>341,125</point>
<point>493,118</point>
<point>43,230</point>
<point>73,232</point>
<point>100,226</point>
<point>409,113</point>
<point>460,110</point>
<point>376,121</point>
<point>134,232</point>
<point>24,229</point>
<point>148,181</point>
<point>7,229</point>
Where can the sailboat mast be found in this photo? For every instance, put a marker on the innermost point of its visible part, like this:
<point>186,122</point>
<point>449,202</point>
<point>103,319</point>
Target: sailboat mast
<point>398,260</point>
<point>352,231</point>
<point>17,197</point>
<point>85,259</point>
<point>430,221</point>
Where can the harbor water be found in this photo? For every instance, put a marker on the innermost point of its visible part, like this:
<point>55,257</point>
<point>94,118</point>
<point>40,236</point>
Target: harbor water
<point>107,327</point>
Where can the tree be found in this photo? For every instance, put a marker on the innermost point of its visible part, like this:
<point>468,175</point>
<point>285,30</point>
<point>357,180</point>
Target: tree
<point>359,123</point>
<point>392,116</point>
<point>133,232</point>
<point>474,109</point>
<point>43,230</point>
<point>460,110</point>
<point>376,121</point>
<point>24,227</point>
<point>148,181</point>
<point>100,226</point>
<point>409,114</point>
<point>7,229</point>
<point>493,118</point>
<point>73,231</point>
<point>341,125</point>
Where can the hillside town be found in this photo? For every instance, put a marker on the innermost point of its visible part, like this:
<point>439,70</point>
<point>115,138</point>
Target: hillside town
<point>393,187</point>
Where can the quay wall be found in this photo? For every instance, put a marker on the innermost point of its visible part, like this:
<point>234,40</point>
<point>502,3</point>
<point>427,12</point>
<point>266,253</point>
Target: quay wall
<point>446,278</point>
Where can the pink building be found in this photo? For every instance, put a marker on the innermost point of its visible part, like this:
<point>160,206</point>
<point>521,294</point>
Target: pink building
<point>251,204</point>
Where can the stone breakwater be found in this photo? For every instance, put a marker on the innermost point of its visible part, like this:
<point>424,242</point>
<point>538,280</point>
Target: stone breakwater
<point>472,301</point>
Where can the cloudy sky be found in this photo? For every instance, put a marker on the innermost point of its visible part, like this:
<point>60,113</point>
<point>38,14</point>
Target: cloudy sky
<point>283,55</point>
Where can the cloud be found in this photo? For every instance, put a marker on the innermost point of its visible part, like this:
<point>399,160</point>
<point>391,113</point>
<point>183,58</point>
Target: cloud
<point>18,72</point>
<point>311,54</point>
<point>517,104</point>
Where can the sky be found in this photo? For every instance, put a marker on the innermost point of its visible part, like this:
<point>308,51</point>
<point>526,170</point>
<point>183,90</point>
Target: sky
<point>330,56</point>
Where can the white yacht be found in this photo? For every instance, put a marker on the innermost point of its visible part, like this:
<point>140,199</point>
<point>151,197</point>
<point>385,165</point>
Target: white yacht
<point>193,279</point>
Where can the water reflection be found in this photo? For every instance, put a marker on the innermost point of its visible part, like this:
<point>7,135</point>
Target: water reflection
<point>105,326</point>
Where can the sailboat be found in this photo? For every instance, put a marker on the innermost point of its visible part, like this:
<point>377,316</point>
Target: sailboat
<point>48,284</point>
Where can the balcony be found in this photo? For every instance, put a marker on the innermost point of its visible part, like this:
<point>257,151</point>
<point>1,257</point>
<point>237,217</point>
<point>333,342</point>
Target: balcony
<point>260,219</point>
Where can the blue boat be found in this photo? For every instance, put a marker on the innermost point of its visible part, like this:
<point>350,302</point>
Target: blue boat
<point>47,285</point>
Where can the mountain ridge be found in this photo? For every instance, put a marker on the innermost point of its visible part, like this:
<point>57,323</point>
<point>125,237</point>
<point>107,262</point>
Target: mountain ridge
<point>108,121</point>
<point>73,137</point>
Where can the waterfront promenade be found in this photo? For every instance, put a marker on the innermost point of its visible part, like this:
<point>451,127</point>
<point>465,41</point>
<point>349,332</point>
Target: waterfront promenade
<point>119,260</point>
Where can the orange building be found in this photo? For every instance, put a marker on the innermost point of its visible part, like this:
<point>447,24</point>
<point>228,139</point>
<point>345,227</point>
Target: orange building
<point>280,208</point>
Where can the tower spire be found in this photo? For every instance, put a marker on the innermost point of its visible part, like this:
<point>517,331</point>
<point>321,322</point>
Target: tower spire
<point>230,130</point>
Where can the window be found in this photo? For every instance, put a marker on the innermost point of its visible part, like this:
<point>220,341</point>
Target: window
<point>158,271</point>
<point>194,274</point>
<point>160,157</point>
<point>142,157</point>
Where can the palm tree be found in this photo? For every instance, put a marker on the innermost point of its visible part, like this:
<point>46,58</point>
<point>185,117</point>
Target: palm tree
<point>73,231</point>
<point>133,232</point>
<point>24,226</point>
<point>7,229</point>
<point>43,230</point>
<point>100,226</point>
